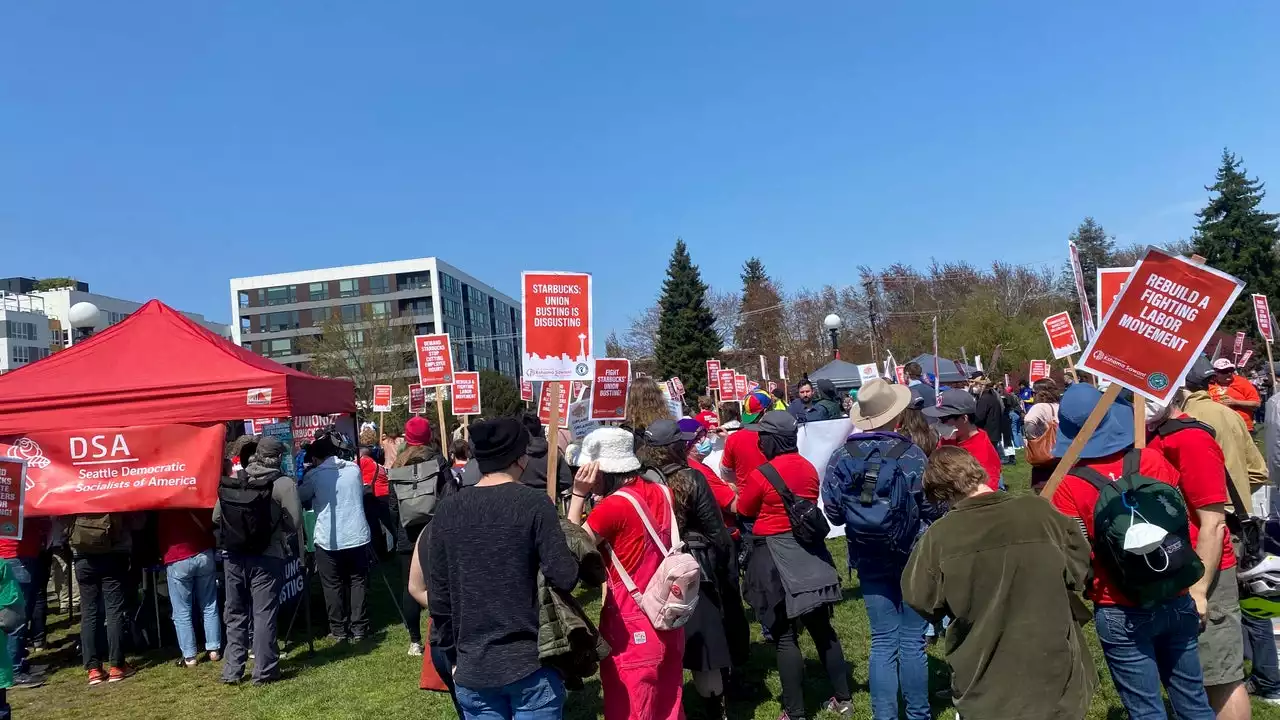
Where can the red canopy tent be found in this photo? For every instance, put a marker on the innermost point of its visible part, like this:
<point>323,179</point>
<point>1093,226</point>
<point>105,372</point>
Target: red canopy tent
<point>158,367</point>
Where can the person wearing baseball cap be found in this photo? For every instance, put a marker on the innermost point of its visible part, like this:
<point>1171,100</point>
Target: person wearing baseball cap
<point>1233,390</point>
<point>956,413</point>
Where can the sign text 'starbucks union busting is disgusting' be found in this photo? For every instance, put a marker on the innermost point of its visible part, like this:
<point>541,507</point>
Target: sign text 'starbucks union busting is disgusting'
<point>557,342</point>
<point>1159,324</point>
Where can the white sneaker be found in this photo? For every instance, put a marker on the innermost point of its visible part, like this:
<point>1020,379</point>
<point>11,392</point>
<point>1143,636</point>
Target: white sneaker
<point>415,649</point>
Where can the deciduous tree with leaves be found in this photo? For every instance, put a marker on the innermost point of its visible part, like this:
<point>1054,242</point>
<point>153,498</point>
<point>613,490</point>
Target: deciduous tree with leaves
<point>686,328</point>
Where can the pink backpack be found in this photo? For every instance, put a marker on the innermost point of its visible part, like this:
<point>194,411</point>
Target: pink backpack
<point>672,593</point>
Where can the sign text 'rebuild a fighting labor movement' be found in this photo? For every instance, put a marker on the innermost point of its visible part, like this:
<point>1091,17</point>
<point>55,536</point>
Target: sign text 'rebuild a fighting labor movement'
<point>1160,322</point>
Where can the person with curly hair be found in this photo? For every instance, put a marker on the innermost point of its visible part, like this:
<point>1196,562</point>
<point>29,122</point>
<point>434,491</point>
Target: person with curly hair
<point>646,404</point>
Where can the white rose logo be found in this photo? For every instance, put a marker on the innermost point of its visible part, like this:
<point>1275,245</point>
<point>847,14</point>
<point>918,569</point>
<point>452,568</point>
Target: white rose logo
<point>29,450</point>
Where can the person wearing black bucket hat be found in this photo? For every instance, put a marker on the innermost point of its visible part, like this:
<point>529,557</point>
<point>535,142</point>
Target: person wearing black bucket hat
<point>1149,646</point>
<point>479,541</point>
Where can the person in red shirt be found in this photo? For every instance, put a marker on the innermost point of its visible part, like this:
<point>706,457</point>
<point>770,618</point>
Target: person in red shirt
<point>1234,391</point>
<point>27,566</point>
<point>809,570</point>
<point>1145,647</point>
<point>1190,448</point>
<point>707,413</point>
<point>186,548</point>
<point>726,495</point>
<point>956,412</point>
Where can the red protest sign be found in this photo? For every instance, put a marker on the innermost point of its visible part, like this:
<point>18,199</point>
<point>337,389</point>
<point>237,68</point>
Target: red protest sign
<point>435,359</point>
<point>1163,317</point>
<point>13,485</point>
<point>577,390</point>
<point>739,386</point>
<point>901,373</point>
<point>1039,370</point>
<point>727,385</point>
<point>1262,313</point>
<point>1239,345</point>
<point>1062,335</point>
<point>382,398</point>
<point>466,393</point>
<point>544,404</point>
<point>609,389</point>
<point>713,375</point>
<point>1110,280</point>
<point>678,387</point>
<point>417,398</point>
<point>146,467</point>
<point>1244,359</point>
<point>526,391</point>
<point>772,387</point>
<point>557,325</point>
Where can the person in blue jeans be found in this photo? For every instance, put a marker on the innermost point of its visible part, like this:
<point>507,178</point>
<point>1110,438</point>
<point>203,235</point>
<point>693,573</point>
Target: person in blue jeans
<point>186,547</point>
<point>874,487</point>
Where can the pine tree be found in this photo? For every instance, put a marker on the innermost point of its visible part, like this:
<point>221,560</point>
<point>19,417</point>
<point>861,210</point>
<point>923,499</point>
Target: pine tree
<point>1237,237</point>
<point>1097,249</point>
<point>686,327</point>
<point>760,326</point>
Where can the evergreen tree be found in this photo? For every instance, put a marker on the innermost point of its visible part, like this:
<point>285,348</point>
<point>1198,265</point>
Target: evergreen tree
<point>1234,235</point>
<point>686,327</point>
<point>760,324</point>
<point>1097,249</point>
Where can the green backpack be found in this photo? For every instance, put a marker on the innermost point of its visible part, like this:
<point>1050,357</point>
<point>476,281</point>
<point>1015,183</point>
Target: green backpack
<point>1163,571</point>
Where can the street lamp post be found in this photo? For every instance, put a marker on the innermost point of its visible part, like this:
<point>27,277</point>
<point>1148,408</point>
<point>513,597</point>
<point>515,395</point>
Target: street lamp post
<point>84,317</point>
<point>833,324</point>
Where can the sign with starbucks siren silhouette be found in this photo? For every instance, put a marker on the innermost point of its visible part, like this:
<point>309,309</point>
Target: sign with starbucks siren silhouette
<point>557,342</point>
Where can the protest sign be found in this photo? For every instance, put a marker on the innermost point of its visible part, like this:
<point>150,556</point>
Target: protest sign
<point>1039,370</point>
<point>900,373</point>
<point>435,359</point>
<point>13,486</point>
<point>868,371</point>
<point>466,393</point>
<point>752,386</point>
<point>713,375</point>
<point>740,389</point>
<point>1109,280</point>
<point>1245,358</point>
<point>764,370</point>
<point>1163,317</point>
<point>728,385</point>
<point>1239,345</point>
<point>417,399</point>
<point>1262,313</point>
<point>580,421</point>
<point>678,387</point>
<point>382,398</point>
<point>577,391</point>
<point>1086,317</point>
<point>1062,335</point>
<point>556,342</point>
<point>772,387</point>
<point>526,390</point>
<point>782,367</point>
<point>544,403</point>
<point>673,404</point>
<point>610,388</point>
<point>147,467</point>
<point>283,431</point>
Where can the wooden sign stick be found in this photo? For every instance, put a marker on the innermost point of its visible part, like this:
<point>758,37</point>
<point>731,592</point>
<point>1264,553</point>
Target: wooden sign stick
<point>553,443</point>
<point>466,427</point>
<point>1081,439</point>
<point>1139,421</point>
<point>444,444</point>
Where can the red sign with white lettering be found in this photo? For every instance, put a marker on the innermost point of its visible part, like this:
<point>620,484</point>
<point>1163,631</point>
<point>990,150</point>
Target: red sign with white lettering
<point>740,389</point>
<point>382,398</point>
<point>1110,280</point>
<point>1262,313</point>
<point>526,391</point>
<point>1062,335</point>
<point>544,404</point>
<point>713,375</point>
<point>727,391</point>
<point>1159,324</point>
<point>610,388</point>
<point>150,467</point>
<point>1039,370</point>
<point>435,359</point>
<point>417,398</point>
<point>466,393</point>
<point>13,481</point>
<point>557,325</point>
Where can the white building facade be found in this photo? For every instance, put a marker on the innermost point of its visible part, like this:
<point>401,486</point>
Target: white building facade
<point>58,303</point>
<point>26,332</point>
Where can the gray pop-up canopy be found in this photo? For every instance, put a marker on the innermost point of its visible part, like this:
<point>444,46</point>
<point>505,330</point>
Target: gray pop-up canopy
<point>844,375</point>
<point>949,371</point>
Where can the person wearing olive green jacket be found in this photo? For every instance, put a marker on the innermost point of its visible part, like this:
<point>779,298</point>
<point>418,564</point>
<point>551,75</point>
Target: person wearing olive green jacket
<point>1007,570</point>
<point>12,616</point>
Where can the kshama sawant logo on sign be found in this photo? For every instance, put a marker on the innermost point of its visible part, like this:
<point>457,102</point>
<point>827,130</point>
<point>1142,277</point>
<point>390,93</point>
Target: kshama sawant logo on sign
<point>119,469</point>
<point>1160,322</point>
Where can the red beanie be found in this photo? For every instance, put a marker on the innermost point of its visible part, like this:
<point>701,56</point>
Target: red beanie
<point>417,431</point>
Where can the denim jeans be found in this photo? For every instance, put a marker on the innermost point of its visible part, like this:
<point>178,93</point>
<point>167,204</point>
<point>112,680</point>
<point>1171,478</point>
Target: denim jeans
<point>23,571</point>
<point>1018,440</point>
<point>897,651</point>
<point>539,696</point>
<point>1260,649</point>
<point>1149,648</point>
<point>195,577</point>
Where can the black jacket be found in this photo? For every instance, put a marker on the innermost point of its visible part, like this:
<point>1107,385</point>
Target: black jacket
<point>990,412</point>
<point>535,473</point>
<point>829,400</point>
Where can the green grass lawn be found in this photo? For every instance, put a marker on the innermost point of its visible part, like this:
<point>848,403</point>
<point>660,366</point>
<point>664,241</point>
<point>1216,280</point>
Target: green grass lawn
<point>379,681</point>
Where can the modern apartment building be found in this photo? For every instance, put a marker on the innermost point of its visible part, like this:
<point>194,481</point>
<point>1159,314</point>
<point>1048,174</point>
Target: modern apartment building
<point>273,314</point>
<point>27,334</point>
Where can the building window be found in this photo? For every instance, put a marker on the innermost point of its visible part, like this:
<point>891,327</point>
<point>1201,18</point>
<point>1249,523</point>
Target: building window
<point>379,285</point>
<point>449,284</point>
<point>416,306</point>
<point>282,295</point>
<point>350,313</point>
<point>451,307</point>
<point>23,354</point>
<point>245,325</point>
<point>319,291</point>
<point>18,330</point>
<point>355,338</point>
<point>477,317</point>
<point>277,321</point>
<point>380,309</point>
<point>279,348</point>
<point>320,315</point>
<point>244,299</point>
<point>424,329</point>
<point>348,288</point>
<point>414,281</point>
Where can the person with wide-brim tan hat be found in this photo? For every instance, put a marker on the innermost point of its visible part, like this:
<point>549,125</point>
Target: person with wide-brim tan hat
<point>879,404</point>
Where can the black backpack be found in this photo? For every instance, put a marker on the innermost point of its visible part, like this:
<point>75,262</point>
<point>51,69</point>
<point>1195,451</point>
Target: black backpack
<point>808,524</point>
<point>248,514</point>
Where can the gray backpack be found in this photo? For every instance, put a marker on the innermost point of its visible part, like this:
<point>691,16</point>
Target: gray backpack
<point>416,488</point>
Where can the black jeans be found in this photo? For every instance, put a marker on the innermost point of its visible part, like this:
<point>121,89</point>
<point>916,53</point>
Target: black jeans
<point>786,635</point>
<point>102,576</point>
<point>253,604</point>
<point>38,605</point>
<point>409,606</point>
<point>344,576</point>
<point>444,668</point>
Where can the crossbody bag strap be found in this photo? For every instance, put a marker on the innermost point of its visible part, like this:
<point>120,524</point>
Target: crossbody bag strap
<point>1240,510</point>
<point>675,529</point>
<point>771,474</point>
<point>644,518</point>
<point>1091,476</point>
<point>627,582</point>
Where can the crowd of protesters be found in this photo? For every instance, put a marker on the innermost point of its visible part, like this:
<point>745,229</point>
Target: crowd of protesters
<point>1153,531</point>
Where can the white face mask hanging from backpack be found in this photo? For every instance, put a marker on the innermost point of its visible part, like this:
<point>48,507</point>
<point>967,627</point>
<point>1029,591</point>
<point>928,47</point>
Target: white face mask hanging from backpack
<point>1143,538</point>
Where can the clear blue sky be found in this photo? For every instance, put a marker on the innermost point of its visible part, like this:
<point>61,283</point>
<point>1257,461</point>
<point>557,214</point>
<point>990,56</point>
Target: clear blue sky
<point>160,148</point>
